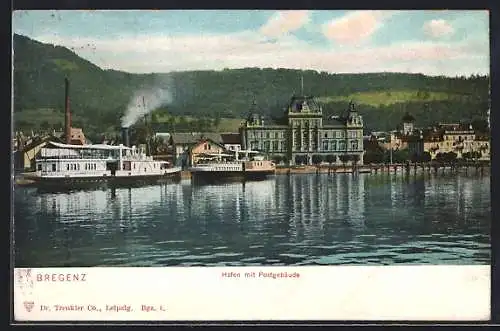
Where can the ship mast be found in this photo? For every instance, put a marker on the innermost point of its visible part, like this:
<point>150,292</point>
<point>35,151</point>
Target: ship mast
<point>148,152</point>
<point>302,83</point>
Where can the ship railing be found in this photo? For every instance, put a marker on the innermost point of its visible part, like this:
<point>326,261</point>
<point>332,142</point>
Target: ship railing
<point>75,157</point>
<point>138,158</point>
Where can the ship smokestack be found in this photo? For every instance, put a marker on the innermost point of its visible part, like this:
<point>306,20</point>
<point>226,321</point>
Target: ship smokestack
<point>67,112</point>
<point>125,137</point>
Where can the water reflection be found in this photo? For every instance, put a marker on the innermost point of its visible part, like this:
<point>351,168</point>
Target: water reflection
<point>300,219</point>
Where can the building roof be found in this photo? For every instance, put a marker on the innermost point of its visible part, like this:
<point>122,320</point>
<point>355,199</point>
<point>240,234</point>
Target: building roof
<point>204,140</point>
<point>37,141</point>
<point>96,146</point>
<point>231,138</point>
<point>408,118</point>
<point>189,138</point>
<point>297,104</point>
<point>333,120</point>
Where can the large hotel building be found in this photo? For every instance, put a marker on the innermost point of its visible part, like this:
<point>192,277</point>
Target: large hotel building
<point>304,131</point>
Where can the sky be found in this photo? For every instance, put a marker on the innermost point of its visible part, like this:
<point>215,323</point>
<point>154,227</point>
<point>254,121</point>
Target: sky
<point>432,42</point>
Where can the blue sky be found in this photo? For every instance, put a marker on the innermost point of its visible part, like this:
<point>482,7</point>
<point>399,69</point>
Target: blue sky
<point>437,42</point>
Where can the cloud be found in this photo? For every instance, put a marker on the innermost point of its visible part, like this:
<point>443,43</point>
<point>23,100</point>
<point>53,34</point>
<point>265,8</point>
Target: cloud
<point>438,28</point>
<point>356,26</point>
<point>163,53</point>
<point>285,21</point>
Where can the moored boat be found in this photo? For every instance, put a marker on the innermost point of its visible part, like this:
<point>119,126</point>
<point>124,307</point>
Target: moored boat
<point>64,165</point>
<point>230,167</point>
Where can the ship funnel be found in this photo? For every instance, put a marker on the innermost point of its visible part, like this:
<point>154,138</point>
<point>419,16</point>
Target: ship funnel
<point>125,137</point>
<point>67,112</point>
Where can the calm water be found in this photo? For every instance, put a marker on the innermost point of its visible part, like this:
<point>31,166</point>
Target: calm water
<point>298,219</point>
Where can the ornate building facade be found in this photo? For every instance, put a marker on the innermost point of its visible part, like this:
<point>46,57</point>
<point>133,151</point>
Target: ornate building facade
<point>305,134</point>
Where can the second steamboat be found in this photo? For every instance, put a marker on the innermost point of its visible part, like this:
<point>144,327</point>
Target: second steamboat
<point>243,165</point>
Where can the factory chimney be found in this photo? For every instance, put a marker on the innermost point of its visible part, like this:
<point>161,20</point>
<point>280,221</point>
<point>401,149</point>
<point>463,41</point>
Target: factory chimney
<point>125,137</point>
<point>67,113</point>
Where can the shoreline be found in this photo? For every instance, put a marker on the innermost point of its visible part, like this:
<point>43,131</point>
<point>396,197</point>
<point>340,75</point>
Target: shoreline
<point>22,179</point>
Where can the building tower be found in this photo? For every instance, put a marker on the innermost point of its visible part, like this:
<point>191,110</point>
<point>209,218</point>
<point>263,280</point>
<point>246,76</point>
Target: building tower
<point>488,118</point>
<point>408,124</point>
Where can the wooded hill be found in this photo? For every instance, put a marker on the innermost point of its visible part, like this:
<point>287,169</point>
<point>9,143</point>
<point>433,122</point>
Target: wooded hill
<point>99,97</point>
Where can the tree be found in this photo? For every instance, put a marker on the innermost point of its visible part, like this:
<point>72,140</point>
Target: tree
<point>45,125</point>
<point>400,155</point>
<point>374,156</point>
<point>317,159</point>
<point>425,157</point>
<point>330,158</point>
<point>344,159</point>
<point>277,158</point>
<point>301,159</point>
<point>217,119</point>
<point>286,159</point>
<point>476,155</point>
<point>440,157</point>
<point>355,159</point>
<point>450,157</point>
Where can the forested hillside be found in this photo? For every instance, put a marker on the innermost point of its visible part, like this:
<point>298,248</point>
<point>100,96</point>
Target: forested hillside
<point>99,97</point>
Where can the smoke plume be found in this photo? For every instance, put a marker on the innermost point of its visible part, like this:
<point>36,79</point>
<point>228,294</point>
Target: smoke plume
<point>144,102</point>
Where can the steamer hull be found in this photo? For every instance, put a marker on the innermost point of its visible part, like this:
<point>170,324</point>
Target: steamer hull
<point>78,167</point>
<point>232,171</point>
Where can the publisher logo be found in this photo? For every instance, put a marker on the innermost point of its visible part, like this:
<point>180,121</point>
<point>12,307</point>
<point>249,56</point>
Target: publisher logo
<point>25,281</point>
<point>28,305</point>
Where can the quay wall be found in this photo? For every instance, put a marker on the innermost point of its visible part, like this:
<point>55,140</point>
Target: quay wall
<point>23,179</point>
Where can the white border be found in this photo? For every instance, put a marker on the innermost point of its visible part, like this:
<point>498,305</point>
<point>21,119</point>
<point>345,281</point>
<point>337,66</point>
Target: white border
<point>349,293</point>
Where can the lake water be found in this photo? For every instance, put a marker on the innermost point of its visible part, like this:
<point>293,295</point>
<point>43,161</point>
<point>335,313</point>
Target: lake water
<point>288,220</point>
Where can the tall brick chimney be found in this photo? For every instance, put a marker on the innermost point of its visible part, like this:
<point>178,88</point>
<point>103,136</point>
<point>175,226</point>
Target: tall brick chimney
<point>67,112</point>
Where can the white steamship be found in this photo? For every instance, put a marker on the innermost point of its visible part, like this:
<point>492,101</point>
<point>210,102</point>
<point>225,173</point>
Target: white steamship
<point>243,165</point>
<point>73,165</point>
<point>61,165</point>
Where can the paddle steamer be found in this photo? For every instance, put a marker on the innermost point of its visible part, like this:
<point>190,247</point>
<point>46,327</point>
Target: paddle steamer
<point>63,165</point>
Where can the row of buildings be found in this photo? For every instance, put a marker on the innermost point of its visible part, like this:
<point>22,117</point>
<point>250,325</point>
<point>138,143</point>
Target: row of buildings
<point>301,133</point>
<point>442,138</point>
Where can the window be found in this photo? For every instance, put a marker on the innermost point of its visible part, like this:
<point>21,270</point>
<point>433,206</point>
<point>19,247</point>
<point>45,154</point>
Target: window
<point>78,166</point>
<point>39,167</point>
<point>267,135</point>
<point>354,145</point>
<point>282,146</point>
<point>334,145</point>
<point>325,145</point>
<point>53,167</point>
<point>275,145</point>
<point>326,135</point>
<point>341,145</point>
<point>266,145</point>
<point>67,166</point>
